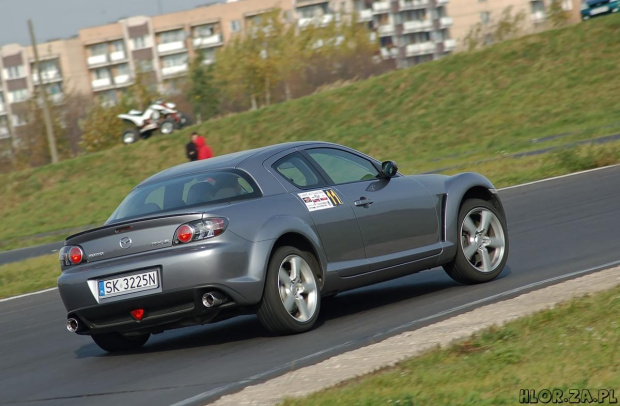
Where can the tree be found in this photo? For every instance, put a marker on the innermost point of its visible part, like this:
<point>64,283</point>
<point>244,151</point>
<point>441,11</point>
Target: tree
<point>203,93</point>
<point>556,15</point>
<point>508,26</point>
<point>101,128</point>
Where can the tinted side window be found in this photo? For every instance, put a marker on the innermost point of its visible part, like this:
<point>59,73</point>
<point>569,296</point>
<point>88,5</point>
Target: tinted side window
<point>342,166</point>
<point>295,169</point>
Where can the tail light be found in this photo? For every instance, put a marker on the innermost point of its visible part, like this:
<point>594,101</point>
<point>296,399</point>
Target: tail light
<point>70,255</point>
<point>200,230</point>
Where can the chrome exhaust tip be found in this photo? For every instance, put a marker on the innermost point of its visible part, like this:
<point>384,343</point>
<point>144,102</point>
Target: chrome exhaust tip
<point>212,299</point>
<point>72,325</point>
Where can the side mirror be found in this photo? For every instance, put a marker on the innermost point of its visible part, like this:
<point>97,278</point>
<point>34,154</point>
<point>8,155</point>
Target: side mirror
<point>389,169</point>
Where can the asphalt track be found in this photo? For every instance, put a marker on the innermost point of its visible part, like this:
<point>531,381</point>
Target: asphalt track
<point>558,228</point>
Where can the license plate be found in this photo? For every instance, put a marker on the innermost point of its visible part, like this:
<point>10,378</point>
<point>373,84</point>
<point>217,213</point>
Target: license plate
<point>599,10</point>
<point>128,284</point>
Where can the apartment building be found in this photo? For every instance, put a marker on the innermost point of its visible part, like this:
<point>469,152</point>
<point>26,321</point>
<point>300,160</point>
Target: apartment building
<point>162,46</point>
<point>62,70</point>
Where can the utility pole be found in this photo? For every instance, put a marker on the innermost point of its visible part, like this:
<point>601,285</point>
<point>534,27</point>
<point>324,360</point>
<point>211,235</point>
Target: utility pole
<point>51,140</point>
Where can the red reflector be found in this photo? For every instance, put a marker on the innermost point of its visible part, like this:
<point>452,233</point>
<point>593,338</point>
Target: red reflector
<point>76,255</point>
<point>185,233</point>
<point>137,314</point>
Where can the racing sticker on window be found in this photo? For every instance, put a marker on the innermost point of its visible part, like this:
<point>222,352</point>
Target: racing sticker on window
<point>320,199</point>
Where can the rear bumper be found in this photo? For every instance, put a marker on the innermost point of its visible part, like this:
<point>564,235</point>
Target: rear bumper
<point>162,311</point>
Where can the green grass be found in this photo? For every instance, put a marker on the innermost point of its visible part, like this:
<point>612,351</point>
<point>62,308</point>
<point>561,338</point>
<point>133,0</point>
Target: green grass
<point>453,112</point>
<point>29,275</point>
<point>574,346</point>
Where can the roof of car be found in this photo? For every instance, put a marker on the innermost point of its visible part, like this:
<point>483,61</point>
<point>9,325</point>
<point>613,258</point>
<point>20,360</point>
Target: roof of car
<point>227,161</point>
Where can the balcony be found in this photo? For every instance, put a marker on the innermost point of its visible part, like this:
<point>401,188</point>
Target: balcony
<point>365,15</point>
<point>100,83</point>
<point>318,21</point>
<point>445,22</point>
<point>442,2</point>
<point>389,53</point>
<point>380,7</point>
<point>97,59</point>
<point>386,30</point>
<point>4,132</point>
<point>118,56</point>
<point>538,17</point>
<point>48,76</point>
<point>122,79</point>
<point>412,4</point>
<point>449,45</point>
<point>2,109</point>
<point>171,47</point>
<point>417,26</point>
<point>422,48</point>
<point>174,70</point>
<point>206,42</point>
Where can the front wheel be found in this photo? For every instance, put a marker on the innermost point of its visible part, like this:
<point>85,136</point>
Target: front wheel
<point>292,298</point>
<point>114,342</point>
<point>166,127</point>
<point>482,246</point>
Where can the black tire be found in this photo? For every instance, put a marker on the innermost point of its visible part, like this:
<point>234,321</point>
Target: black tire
<point>129,136</point>
<point>167,127</point>
<point>303,288</point>
<point>471,264</point>
<point>114,342</point>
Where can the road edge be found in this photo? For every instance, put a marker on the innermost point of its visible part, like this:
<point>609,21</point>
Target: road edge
<point>368,359</point>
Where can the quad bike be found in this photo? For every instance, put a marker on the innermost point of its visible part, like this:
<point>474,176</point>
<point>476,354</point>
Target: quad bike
<point>158,116</point>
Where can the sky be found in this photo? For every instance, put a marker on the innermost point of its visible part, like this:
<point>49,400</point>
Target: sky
<point>53,19</point>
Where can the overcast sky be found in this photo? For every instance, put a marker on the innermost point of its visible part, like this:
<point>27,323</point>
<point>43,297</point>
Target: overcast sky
<point>53,19</point>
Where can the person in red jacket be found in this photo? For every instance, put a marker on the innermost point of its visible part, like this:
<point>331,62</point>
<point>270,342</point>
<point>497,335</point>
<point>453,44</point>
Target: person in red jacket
<point>204,150</point>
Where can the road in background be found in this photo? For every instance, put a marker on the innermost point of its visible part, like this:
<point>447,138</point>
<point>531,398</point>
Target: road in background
<point>556,228</point>
<point>30,252</point>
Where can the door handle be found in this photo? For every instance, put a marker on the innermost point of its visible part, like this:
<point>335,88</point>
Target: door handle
<point>363,202</point>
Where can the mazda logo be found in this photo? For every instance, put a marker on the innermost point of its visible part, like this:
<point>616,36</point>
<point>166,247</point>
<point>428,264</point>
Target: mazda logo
<point>125,242</point>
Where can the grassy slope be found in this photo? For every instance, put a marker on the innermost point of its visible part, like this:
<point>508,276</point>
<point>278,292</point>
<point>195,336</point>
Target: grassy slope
<point>462,108</point>
<point>575,346</point>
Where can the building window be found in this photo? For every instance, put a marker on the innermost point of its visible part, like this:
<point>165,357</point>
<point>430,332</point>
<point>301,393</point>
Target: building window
<point>204,31</point>
<point>145,65</point>
<point>141,42</point>
<point>102,73</point>
<point>108,98</point>
<point>208,56</point>
<point>20,95</point>
<point>235,25</point>
<point>122,69</point>
<point>485,17</point>
<point>98,49</point>
<point>171,36</point>
<point>4,127</point>
<point>19,119</point>
<point>174,60</point>
<point>118,46</point>
<point>14,72</point>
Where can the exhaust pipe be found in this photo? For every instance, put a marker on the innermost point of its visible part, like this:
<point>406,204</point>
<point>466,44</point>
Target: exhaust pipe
<point>212,299</point>
<point>72,325</point>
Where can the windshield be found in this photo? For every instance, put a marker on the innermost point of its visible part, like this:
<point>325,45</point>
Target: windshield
<point>191,191</point>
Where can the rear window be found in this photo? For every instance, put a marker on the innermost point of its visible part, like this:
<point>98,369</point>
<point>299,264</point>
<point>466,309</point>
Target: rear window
<point>190,192</point>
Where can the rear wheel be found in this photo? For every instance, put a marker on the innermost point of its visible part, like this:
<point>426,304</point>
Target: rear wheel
<point>292,300</point>
<point>129,136</point>
<point>114,342</point>
<point>482,245</point>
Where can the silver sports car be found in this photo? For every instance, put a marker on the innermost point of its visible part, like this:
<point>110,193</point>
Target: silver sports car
<point>270,231</point>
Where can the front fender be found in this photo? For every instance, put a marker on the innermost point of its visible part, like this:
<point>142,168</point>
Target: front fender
<point>457,187</point>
